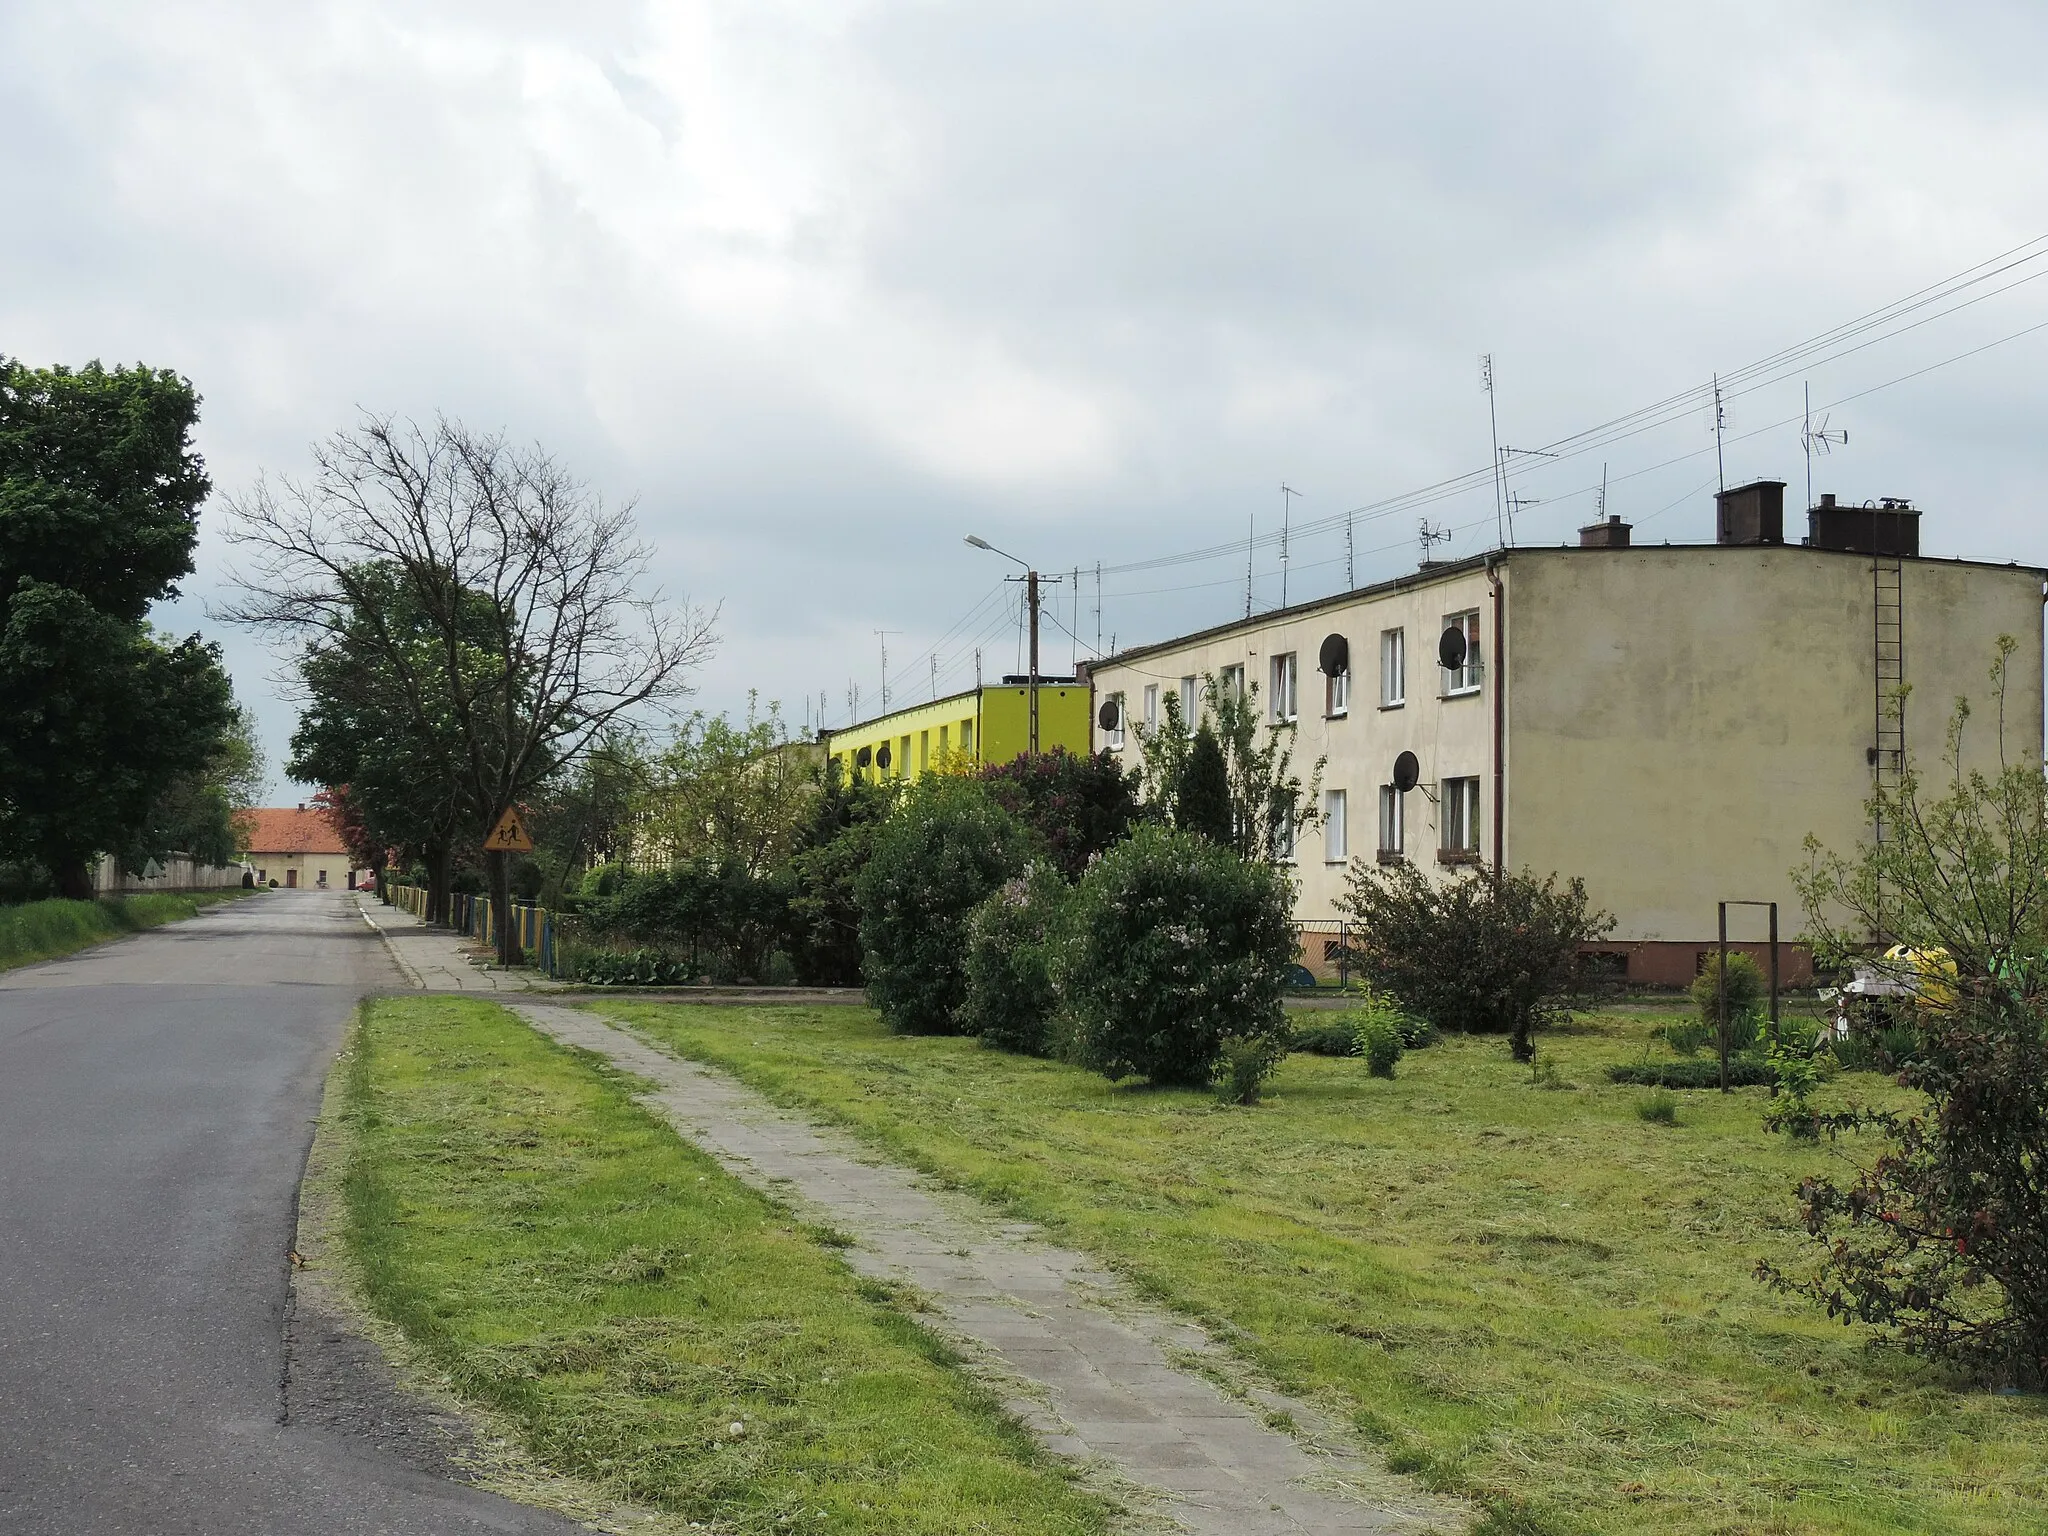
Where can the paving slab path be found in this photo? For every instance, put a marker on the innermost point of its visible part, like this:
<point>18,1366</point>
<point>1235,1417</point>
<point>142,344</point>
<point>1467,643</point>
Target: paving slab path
<point>1100,1377</point>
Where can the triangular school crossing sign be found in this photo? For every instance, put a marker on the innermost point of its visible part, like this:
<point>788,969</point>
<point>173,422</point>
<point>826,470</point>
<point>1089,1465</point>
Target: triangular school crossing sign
<point>508,836</point>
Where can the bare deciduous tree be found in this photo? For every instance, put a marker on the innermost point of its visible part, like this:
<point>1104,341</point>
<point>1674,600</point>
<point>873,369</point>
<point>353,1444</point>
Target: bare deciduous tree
<point>530,589</point>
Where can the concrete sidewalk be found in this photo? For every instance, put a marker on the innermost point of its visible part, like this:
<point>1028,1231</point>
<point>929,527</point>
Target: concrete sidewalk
<point>436,960</point>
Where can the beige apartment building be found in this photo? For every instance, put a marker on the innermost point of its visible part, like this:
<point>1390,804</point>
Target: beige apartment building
<point>1669,722</point>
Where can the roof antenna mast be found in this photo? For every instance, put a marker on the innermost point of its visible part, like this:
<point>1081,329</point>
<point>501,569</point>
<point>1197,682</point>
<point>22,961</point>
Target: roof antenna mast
<point>1720,425</point>
<point>1251,528</point>
<point>1492,420</point>
<point>1286,504</point>
<point>885,634</point>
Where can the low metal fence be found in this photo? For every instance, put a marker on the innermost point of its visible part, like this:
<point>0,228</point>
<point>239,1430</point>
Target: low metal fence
<point>1324,947</point>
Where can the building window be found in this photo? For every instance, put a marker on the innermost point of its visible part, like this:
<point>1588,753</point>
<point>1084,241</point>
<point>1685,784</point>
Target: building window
<point>903,760</point>
<point>1283,694</point>
<point>1392,828</point>
<point>1151,706</point>
<point>1464,679</point>
<point>1187,705</point>
<point>321,879</point>
<point>1393,669</point>
<point>1233,682</point>
<point>1336,836</point>
<point>1116,734</point>
<point>967,738</point>
<point>924,751</point>
<point>945,741</point>
<point>1283,838</point>
<point>1337,694</point>
<point>1458,819</point>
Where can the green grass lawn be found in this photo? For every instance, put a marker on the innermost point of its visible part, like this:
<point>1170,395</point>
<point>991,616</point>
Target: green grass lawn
<point>1531,1296</point>
<point>45,930</point>
<point>573,1263</point>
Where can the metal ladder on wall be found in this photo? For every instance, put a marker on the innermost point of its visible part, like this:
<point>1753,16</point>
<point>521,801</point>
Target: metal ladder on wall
<point>1888,755</point>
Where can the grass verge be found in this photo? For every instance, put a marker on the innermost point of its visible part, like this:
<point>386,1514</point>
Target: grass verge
<point>46,930</point>
<point>1533,1296</point>
<point>605,1287</point>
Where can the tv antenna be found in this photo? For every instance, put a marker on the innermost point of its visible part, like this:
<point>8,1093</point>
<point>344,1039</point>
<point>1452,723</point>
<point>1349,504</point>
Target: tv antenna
<point>1429,537</point>
<point>1601,515</point>
<point>1514,503</point>
<point>1499,484</point>
<point>1818,439</point>
<point>1350,570</point>
<point>935,674</point>
<point>1287,492</point>
<point>885,634</point>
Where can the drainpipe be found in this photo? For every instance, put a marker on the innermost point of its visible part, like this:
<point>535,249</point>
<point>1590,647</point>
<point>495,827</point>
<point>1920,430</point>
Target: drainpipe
<point>1500,678</point>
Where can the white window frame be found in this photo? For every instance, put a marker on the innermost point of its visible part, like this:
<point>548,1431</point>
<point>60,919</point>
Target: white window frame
<point>1336,828</point>
<point>1393,668</point>
<point>1458,817</point>
<point>1232,681</point>
<point>1393,822</point>
<point>1190,703</point>
<point>1337,695</point>
<point>1466,678</point>
<point>1284,701</point>
<point>1283,839</point>
<point>1151,706</point>
<point>1116,737</point>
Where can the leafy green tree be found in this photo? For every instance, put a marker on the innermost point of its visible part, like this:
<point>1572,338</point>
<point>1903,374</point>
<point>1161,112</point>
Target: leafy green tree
<point>1201,801</point>
<point>200,812</point>
<point>733,793</point>
<point>99,717</point>
<point>373,723</point>
<point>1270,805</point>
<point>1941,1237</point>
<point>584,818</point>
<point>946,847</point>
<point>1482,951</point>
<point>1080,805</point>
<point>1014,939</point>
<point>832,848</point>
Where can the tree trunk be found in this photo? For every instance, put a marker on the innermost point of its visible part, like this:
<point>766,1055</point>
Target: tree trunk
<point>438,858</point>
<point>74,878</point>
<point>510,951</point>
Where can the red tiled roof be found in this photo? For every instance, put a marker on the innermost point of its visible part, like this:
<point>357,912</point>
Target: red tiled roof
<point>285,829</point>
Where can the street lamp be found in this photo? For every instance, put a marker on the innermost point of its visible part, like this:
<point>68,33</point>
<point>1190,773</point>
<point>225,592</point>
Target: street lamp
<point>1031,579</point>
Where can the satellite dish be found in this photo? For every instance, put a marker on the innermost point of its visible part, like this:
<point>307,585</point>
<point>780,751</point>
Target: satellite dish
<point>1335,656</point>
<point>882,755</point>
<point>1451,648</point>
<point>1407,772</point>
<point>865,756</point>
<point>1110,716</point>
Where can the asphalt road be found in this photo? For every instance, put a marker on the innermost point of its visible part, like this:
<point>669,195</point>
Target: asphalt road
<point>157,1097</point>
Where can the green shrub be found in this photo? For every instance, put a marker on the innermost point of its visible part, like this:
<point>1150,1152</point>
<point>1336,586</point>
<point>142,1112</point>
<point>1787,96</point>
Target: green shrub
<point>1379,1042</point>
<point>1484,951</point>
<point>1325,1039</point>
<point>1243,1067</point>
<point>946,848</point>
<point>630,968</point>
<point>1659,1106</point>
<point>1857,1053</point>
<point>1746,988</point>
<point>1699,1072</point>
<point>1544,1073</point>
<point>1012,942</point>
<point>1177,946</point>
<point>1686,1036</point>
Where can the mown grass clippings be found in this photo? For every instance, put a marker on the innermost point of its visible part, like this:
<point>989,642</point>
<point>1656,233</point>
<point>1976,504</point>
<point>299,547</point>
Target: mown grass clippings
<point>1539,1300</point>
<point>646,1321</point>
<point>48,930</point>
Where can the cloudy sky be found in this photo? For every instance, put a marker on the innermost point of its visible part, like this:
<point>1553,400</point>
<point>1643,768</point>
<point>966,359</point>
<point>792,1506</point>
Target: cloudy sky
<point>825,286</point>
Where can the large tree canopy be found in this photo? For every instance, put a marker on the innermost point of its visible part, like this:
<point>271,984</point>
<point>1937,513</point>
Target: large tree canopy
<point>104,726</point>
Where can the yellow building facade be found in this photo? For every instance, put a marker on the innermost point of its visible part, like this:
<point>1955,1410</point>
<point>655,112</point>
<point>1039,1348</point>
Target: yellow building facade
<point>991,724</point>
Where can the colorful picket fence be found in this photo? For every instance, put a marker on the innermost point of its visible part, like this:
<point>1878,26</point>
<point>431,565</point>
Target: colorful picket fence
<point>476,917</point>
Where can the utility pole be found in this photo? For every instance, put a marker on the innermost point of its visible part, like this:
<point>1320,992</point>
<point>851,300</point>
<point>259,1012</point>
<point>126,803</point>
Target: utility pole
<point>1287,492</point>
<point>1031,691</point>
